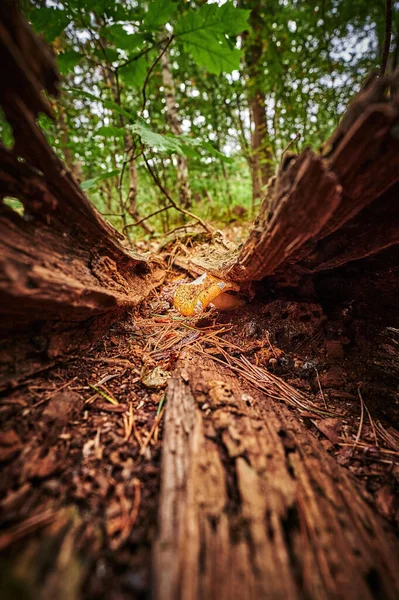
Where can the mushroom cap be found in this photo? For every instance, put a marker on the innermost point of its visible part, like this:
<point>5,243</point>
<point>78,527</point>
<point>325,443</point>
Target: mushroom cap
<point>192,298</point>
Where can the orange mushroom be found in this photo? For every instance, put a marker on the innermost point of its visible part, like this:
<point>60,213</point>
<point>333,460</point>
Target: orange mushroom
<point>192,298</point>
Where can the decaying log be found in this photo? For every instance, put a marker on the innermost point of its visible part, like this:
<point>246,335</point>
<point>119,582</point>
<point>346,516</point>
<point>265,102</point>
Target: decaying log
<point>252,507</point>
<point>324,202</point>
<point>59,260</point>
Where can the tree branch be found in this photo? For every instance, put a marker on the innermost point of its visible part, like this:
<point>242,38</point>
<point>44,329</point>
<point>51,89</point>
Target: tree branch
<point>388,33</point>
<point>157,181</point>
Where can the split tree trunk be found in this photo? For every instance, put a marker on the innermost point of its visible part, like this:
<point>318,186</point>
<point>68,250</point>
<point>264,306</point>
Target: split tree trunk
<point>183,182</point>
<point>324,211</point>
<point>252,507</point>
<point>61,264</point>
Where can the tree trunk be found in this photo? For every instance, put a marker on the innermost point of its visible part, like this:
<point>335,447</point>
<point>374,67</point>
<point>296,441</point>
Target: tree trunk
<point>323,212</point>
<point>131,203</point>
<point>61,264</point>
<point>132,194</point>
<point>69,159</point>
<point>183,182</point>
<point>252,507</point>
<point>261,154</point>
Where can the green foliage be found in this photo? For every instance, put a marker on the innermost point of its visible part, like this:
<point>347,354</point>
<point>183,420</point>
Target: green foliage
<point>85,185</point>
<point>109,131</point>
<point>159,12</point>
<point>304,59</point>
<point>134,73</point>
<point>204,34</point>
<point>168,144</point>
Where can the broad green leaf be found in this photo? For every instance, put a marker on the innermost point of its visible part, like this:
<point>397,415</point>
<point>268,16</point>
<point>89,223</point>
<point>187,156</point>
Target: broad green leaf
<point>159,12</point>
<point>108,131</point>
<point>122,39</point>
<point>203,34</point>
<point>134,74</point>
<point>85,185</point>
<point>118,109</point>
<point>191,143</point>
<point>67,61</point>
<point>213,152</point>
<point>164,143</point>
<point>49,21</point>
<point>108,54</point>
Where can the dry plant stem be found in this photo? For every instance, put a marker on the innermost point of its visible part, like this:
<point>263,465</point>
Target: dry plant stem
<point>156,212</point>
<point>388,33</point>
<point>288,146</point>
<point>150,70</point>
<point>321,389</point>
<point>359,431</point>
<point>51,394</point>
<point>155,425</point>
<point>157,181</point>
<point>25,528</point>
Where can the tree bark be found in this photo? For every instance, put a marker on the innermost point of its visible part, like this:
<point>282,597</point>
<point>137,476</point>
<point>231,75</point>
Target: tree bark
<point>252,507</point>
<point>132,194</point>
<point>131,203</point>
<point>69,159</point>
<point>183,182</point>
<point>322,212</point>
<point>261,154</point>
<point>61,264</point>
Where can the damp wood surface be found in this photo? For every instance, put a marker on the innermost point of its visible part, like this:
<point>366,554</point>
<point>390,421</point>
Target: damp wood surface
<point>252,507</point>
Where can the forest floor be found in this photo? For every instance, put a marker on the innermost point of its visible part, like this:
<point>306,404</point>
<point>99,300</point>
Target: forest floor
<point>80,445</point>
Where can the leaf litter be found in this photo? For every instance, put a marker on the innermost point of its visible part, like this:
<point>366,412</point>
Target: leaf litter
<point>87,437</point>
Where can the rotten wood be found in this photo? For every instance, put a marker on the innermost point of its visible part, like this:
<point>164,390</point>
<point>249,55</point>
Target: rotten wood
<point>317,201</point>
<point>252,507</point>
<point>60,262</point>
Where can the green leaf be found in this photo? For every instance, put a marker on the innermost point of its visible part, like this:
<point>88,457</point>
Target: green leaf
<point>122,39</point>
<point>85,185</point>
<point>109,54</point>
<point>49,21</point>
<point>213,152</point>
<point>108,131</point>
<point>118,109</point>
<point>106,103</point>
<point>163,143</point>
<point>134,74</point>
<point>159,12</point>
<point>67,61</point>
<point>190,143</point>
<point>203,34</point>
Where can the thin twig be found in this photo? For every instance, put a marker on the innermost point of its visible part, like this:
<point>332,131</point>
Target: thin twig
<point>155,425</point>
<point>157,181</point>
<point>288,146</point>
<point>321,389</point>
<point>150,70</point>
<point>156,212</point>
<point>359,431</point>
<point>388,33</point>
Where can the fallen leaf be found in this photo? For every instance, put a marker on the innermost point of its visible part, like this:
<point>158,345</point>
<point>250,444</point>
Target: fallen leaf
<point>330,427</point>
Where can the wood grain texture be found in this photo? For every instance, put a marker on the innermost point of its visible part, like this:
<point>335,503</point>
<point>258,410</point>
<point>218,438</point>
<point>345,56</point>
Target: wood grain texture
<point>61,264</point>
<point>252,507</point>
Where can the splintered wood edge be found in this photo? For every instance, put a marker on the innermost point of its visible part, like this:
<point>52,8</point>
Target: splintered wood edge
<point>252,507</point>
